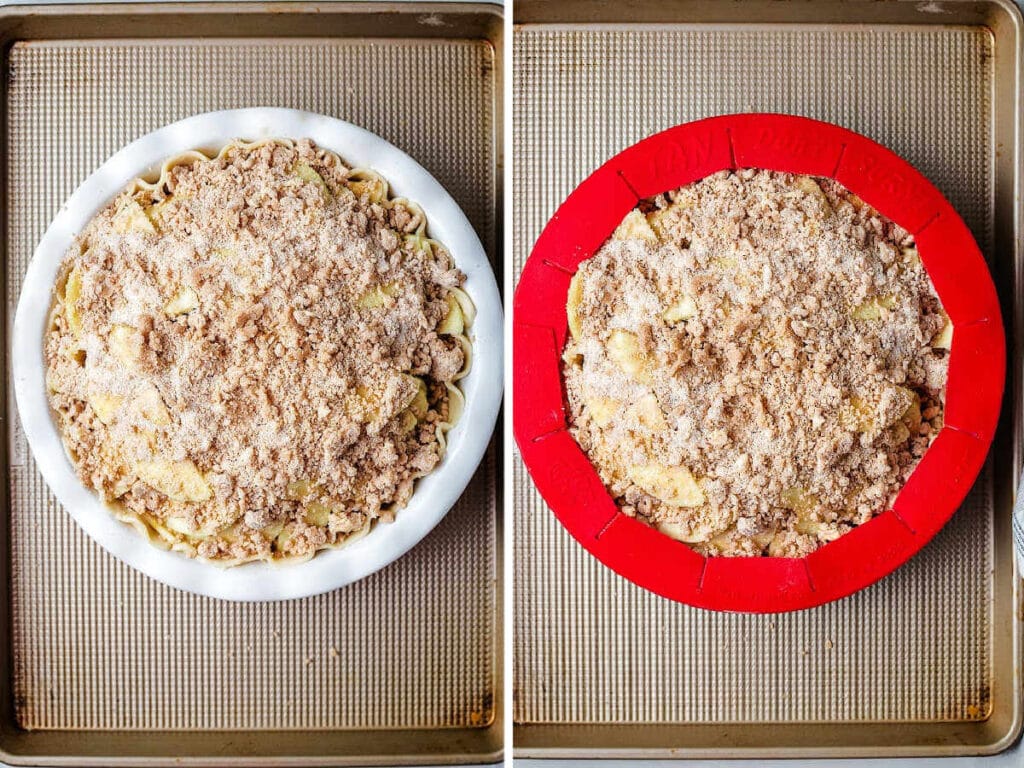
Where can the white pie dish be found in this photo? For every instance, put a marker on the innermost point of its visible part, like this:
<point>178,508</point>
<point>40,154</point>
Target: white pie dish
<point>434,494</point>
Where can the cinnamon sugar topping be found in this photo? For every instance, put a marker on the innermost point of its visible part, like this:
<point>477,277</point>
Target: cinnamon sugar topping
<point>257,358</point>
<point>756,362</point>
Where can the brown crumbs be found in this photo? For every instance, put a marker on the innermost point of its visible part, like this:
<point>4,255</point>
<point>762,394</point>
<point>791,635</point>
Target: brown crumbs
<point>756,362</point>
<point>256,357</point>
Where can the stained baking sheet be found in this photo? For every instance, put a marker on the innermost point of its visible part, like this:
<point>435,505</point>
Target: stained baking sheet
<point>927,660</point>
<point>102,662</point>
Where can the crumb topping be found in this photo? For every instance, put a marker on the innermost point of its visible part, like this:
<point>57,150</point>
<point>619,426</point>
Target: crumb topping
<point>756,362</point>
<point>256,357</point>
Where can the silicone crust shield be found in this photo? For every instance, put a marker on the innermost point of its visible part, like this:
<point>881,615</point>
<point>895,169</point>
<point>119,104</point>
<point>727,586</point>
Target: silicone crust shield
<point>977,363</point>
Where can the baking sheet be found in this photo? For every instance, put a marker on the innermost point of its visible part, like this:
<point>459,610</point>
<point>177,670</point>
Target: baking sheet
<point>403,666</point>
<point>924,661</point>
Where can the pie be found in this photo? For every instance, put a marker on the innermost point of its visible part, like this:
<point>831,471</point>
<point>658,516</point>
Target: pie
<point>756,362</point>
<point>256,356</point>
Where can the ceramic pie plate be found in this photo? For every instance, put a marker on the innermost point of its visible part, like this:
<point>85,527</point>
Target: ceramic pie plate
<point>939,483</point>
<point>434,494</point>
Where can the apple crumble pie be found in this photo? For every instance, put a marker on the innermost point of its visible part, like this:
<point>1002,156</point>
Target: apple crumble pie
<point>255,357</point>
<point>756,362</point>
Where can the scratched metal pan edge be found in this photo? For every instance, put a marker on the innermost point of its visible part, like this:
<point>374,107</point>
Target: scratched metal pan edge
<point>541,734</point>
<point>399,28</point>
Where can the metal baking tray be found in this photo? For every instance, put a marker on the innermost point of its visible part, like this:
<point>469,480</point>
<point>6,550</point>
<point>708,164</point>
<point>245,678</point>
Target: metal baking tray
<point>100,665</point>
<point>925,662</point>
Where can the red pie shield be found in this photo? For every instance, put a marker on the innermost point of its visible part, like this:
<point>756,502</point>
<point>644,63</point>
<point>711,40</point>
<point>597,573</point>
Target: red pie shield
<point>938,485</point>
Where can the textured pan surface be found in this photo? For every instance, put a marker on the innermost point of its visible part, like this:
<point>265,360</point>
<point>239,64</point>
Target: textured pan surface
<point>97,645</point>
<point>590,647</point>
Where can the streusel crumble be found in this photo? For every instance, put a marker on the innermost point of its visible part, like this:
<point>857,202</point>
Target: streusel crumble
<point>756,362</point>
<point>256,357</point>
